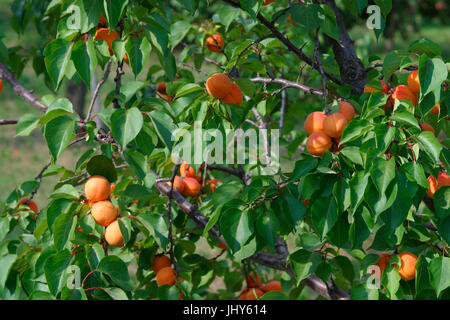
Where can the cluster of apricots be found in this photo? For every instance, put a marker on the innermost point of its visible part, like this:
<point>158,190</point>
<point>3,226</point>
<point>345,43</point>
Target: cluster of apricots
<point>98,189</point>
<point>220,86</point>
<point>103,33</point>
<point>255,289</point>
<point>165,274</point>
<point>215,43</point>
<point>407,269</point>
<point>189,184</point>
<point>442,180</point>
<point>326,130</point>
<point>31,204</point>
<point>401,92</point>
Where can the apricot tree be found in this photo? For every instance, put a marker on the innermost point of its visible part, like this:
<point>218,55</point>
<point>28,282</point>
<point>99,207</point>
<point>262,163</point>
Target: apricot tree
<point>350,210</point>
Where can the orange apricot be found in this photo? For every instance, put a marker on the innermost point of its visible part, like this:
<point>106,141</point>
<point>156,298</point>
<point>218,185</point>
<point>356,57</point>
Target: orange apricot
<point>427,127</point>
<point>243,295</point>
<point>219,85</point>
<point>212,184</point>
<point>31,204</point>
<point>408,268</point>
<point>314,122</point>
<point>186,171</point>
<point>432,186</point>
<point>165,276</point>
<point>347,110</point>
<point>109,37</point>
<point>235,95</point>
<point>161,87</point>
<point>214,43</point>
<point>435,109</point>
<point>271,286</point>
<point>266,2</point>
<point>334,124</point>
<point>104,213</point>
<point>403,92</point>
<point>1,86</point>
<point>318,142</point>
<point>413,81</point>
<point>251,282</point>
<point>443,179</point>
<point>113,235</point>
<point>97,188</point>
<point>191,187</point>
<point>382,263</point>
<point>160,261</point>
<point>222,246</point>
<point>178,184</point>
<point>102,20</point>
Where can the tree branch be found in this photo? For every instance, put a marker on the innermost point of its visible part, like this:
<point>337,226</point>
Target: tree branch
<point>289,84</point>
<point>8,121</point>
<point>97,89</point>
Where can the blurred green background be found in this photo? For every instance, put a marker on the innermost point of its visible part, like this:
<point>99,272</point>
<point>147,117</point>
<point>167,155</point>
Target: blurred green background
<point>22,158</point>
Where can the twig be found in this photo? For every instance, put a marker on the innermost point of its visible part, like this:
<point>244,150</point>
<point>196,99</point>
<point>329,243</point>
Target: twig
<point>97,89</point>
<point>8,121</point>
<point>191,67</point>
<point>282,109</point>
<point>169,217</point>
<point>322,73</point>
<point>118,80</point>
<point>289,84</point>
<point>20,90</point>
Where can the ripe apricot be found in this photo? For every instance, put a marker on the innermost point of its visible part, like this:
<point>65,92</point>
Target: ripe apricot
<point>266,2</point>
<point>314,122</point>
<point>104,212</point>
<point>165,276</point>
<point>334,124</point>
<point>251,283</point>
<point>347,110</point>
<point>403,92</point>
<point>271,286</point>
<point>443,179</point>
<point>214,43</point>
<point>222,246</point>
<point>186,171</point>
<point>160,261</point>
<point>161,87</point>
<point>384,85</point>
<point>408,268</point>
<point>427,127</point>
<point>243,295</point>
<point>218,85</point>
<point>435,109</point>
<point>102,20</point>
<point>178,184</point>
<point>97,188</point>
<point>235,95</point>
<point>113,235</point>
<point>432,186</point>
<point>212,184</point>
<point>31,204</point>
<point>383,261</point>
<point>318,142</point>
<point>109,37</point>
<point>191,187</point>
<point>1,86</point>
<point>413,81</point>
<point>254,294</point>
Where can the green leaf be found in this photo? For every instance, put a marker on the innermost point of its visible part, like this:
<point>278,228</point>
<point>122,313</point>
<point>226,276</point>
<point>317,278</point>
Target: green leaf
<point>296,210</point>
<point>251,6</point>
<point>157,226</point>
<point>392,62</point>
<point>126,124</point>
<point>358,185</point>
<point>405,117</point>
<point>114,267</point>
<point>426,46</point>
<point>354,130</point>
<point>324,214</point>
<point>273,295</point>
<point>63,229</point>
<point>353,154</point>
<point>58,133</point>
<point>57,57</point>
<point>236,227</point>
<point>114,9</point>
<point>5,265</point>
<point>26,124</point>
<point>430,144</point>
<point>66,191</point>
<point>391,281</point>
<point>164,127</point>
<point>101,165</point>
<point>307,17</point>
<point>54,269</point>
<point>441,200</point>
<point>432,72</point>
<point>85,59</point>
<point>267,226</point>
<point>303,167</point>
<point>136,161</point>
<point>304,263</point>
<point>58,108</point>
<point>116,293</point>
<point>138,49</point>
<point>439,272</point>
<point>382,173</point>
<point>187,88</point>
